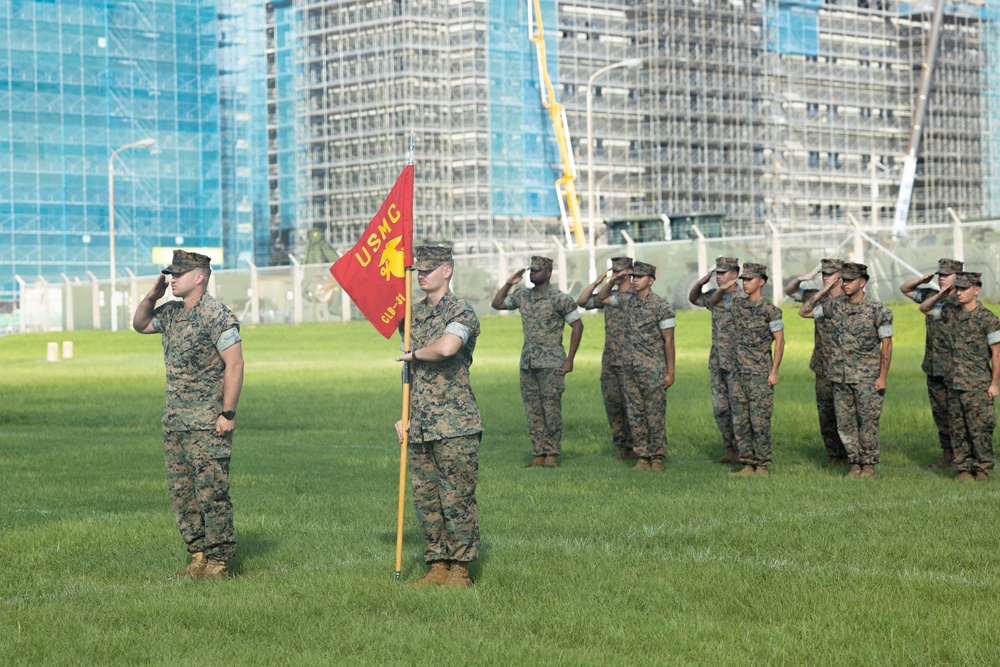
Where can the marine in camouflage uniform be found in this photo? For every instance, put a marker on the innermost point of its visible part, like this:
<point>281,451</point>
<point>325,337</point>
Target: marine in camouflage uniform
<point>648,361</point>
<point>612,371</point>
<point>726,269</point>
<point>858,364</point>
<point>756,325</point>
<point>444,428</point>
<point>204,366</point>
<point>822,340</point>
<point>544,363</point>
<point>936,358</point>
<point>972,339</point>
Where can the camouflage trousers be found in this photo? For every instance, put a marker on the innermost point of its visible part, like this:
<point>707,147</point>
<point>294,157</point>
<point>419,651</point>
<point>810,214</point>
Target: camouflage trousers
<point>752,400</point>
<point>828,419</point>
<point>646,407</point>
<point>972,422</point>
<point>444,475</point>
<point>718,379</point>
<point>197,464</point>
<point>937,392</point>
<point>541,391</point>
<point>614,405</point>
<point>859,407</point>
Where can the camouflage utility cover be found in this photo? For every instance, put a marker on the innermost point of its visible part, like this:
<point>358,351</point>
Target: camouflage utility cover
<point>442,404</point>
<point>192,341</point>
<point>544,313</point>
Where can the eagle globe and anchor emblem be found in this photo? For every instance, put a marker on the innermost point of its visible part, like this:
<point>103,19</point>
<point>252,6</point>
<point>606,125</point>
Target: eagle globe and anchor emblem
<point>393,260</point>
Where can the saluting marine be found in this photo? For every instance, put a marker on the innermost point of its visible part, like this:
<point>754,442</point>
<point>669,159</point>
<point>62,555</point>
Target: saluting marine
<point>858,365</point>
<point>544,363</point>
<point>823,335</point>
<point>612,370</point>
<point>720,357</point>
<point>756,326</point>
<point>972,341</point>
<point>936,358</point>
<point>648,360</point>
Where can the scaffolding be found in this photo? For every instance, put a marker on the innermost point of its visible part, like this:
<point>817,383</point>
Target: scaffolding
<point>790,112</point>
<point>79,80</point>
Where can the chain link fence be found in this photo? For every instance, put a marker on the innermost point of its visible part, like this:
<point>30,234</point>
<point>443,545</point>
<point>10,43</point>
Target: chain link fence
<point>308,293</point>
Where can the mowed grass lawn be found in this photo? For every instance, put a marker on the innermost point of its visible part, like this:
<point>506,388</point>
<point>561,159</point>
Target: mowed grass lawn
<point>587,564</point>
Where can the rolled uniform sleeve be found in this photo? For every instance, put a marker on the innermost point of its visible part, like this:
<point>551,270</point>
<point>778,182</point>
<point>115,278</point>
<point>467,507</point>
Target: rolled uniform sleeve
<point>884,323</point>
<point>460,330</point>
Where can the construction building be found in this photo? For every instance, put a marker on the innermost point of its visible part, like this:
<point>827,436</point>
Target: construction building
<point>791,112</point>
<point>169,93</point>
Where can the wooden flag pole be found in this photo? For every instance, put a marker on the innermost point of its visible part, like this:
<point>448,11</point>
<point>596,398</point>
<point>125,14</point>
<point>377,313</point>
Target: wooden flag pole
<point>406,423</point>
<point>408,309</point>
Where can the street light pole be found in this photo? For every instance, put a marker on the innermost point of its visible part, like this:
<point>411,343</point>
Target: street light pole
<point>630,63</point>
<point>144,143</point>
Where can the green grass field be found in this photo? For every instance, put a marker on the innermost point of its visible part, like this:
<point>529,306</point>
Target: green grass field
<point>586,564</point>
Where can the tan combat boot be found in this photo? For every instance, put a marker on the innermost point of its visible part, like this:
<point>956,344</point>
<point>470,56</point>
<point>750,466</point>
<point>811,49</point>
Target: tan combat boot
<point>551,461</point>
<point>747,471</point>
<point>459,577</point>
<point>729,457</point>
<point>855,471</point>
<point>214,569</point>
<point>438,575</point>
<point>965,476</point>
<point>536,462</point>
<point>656,465</point>
<point>947,460</point>
<point>195,567</point>
<point>982,476</point>
<point>868,472</point>
<point>642,464</point>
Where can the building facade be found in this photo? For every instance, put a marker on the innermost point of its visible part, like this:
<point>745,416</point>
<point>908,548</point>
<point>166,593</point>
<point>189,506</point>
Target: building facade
<point>793,112</point>
<point>80,80</point>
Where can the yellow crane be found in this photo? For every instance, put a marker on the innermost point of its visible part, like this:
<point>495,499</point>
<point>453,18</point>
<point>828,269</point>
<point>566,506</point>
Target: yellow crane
<point>565,185</point>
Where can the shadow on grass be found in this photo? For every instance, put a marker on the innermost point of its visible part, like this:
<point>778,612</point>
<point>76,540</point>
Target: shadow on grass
<point>252,545</point>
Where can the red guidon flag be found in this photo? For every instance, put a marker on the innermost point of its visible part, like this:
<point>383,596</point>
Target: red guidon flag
<point>373,271</point>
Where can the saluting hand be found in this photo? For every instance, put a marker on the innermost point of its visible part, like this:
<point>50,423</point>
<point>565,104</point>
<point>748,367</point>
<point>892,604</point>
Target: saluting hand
<point>516,277</point>
<point>159,288</point>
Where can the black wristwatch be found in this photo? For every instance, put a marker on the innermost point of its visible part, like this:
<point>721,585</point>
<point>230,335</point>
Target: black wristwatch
<point>228,414</point>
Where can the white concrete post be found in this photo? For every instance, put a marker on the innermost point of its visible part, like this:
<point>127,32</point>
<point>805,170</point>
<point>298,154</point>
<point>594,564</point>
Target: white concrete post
<point>502,271</point>
<point>775,277</point>
<point>858,257</point>
<point>52,352</point>
<point>46,304</point>
<point>296,289</point>
<point>702,249</point>
<point>254,294</point>
<point>95,301</point>
<point>133,296</point>
<point>20,302</point>
<point>629,245</point>
<point>68,307</point>
<point>563,280</point>
<point>958,238</point>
